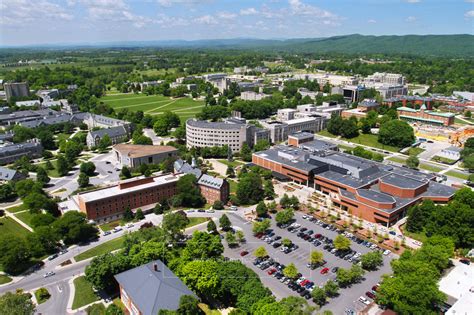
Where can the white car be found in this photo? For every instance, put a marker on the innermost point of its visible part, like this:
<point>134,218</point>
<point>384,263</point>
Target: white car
<point>233,208</point>
<point>364,300</point>
<point>129,226</point>
<point>49,274</point>
<point>210,211</point>
<point>117,229</point>
<point>305,217</point>
<point>386,252</point>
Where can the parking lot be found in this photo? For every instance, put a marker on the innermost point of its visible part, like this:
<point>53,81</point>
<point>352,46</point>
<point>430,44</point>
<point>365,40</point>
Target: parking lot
<point>348,297</point>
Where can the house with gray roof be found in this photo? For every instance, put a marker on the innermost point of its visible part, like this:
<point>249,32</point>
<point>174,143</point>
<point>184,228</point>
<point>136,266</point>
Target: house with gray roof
<point>117,135</point>
<point>7,174</point>
<point>10,152</point>
<point>149,288</point>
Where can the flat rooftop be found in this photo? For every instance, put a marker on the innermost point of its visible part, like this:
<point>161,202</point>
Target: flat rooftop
<point>402,181</point>
<point>113,191</point>
<point>136,150</point>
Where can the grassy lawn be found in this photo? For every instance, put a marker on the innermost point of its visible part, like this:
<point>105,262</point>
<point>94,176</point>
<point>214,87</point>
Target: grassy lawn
<point>110,225</point>
<point>326,133</point>
<point>104,248</point>
<point>53,172</point>
<point>19,208</point>
<point>25,216</point>
<point>233,186</point>
<point>232,164</point>
<point>10,226</point>
<point>41,298</point>
<point>457,175</point>
<point>119,303</point>
<point>421,236</point>
<point>463,122</point>
<point>195,221</point>
<point>345,147</point>
<point>443,160</point>
<point>397,159</point>
<point>430,168</point>
<point>4,279</point>
<point>84,293</point>
<point>155,104</point>
<point>415,151</point>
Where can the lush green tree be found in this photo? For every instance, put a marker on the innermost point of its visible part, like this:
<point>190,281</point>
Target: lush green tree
<point>319,296</point>
<point>83,180</point>
<point>15,256</point>
<point>43,241</point>
<point>249,188</point>
<point>18,303</point>
<point>211,226</point>
<point>125,172</point>
<point>102,269</point>
<point>218,205</point>
<point>72,150</point>
<point>240,236</point>
<point>419,215</point>
<point>316,257</point>
<point>343,277</point>
<point>127,215</point>
<point>397,133</point>
<point>203,246</point>
<point>349,128</point>
<point>356,273</point>
<point>42,176</point>
<point>412,161</point>
<point>42,219</point>
<point>260,227</point>
<point>113,309</point>
<point>285,216</point>
<point>88,168</point>
<point>260,252</point>
<point>188,305</point>
<point>269,190</point>
<point>335,124</point>
<point>139,215</point>
<point>224,223</point>
<point>371,260</point>
<point>188,192</point>
<point>261,145</point>
<point>231,239</point>
<point>165,122</point>
<point>62,165</point>
<point>201,276</point>
<point>331,288</point>
<point>246,153</point>
<point>261,209</point>
<point>7,192</point>
<point>286,242</point>
<point>230,172</point>
<point>174,224</point>
<point>36,202</point>
<point>104,143</point>
<point>73,228</point>
<point>341,242</point>
<point>290,271</point>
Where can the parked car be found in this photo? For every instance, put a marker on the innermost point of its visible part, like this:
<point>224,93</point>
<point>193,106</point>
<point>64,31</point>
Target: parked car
<point>243,253</point>
<point>106,233</point>
<point>465,261</point>
<point>364,300</point>
<point>324,271</point>
<point>52,256</point>
<point>370,295</point>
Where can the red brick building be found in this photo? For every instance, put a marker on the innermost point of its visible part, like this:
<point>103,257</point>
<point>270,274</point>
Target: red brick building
<point>213,188</point>
<point>109,203</point>
<point>367,189</point>
<point>425,116</point>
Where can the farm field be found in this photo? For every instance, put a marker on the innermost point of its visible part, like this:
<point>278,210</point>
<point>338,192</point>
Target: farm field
<point>154,104</point>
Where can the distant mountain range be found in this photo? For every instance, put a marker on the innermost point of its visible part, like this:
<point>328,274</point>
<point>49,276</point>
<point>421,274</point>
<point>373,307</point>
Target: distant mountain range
<point>461,45</point>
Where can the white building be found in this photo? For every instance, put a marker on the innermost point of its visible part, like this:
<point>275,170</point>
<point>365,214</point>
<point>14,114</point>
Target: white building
<point>458,285</point>
<point>252,96</point>
<point>388,78</point>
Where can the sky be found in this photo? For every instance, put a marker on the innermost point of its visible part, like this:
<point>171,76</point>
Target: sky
<point>35,22</point>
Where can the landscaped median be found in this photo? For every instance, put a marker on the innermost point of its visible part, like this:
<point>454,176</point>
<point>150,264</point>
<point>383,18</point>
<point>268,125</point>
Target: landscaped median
<point>101,249</point>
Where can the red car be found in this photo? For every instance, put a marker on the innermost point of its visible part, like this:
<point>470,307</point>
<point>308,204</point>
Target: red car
<point>243,253</point>
<point>304,282</point>
<point>324,271</point>
<point>271,271</point>
<point>375,288</point>
<point>318,235</point>
<point>370,295</point>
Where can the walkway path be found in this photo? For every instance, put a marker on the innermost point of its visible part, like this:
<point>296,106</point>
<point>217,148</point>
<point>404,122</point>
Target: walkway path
<point>12,215</point>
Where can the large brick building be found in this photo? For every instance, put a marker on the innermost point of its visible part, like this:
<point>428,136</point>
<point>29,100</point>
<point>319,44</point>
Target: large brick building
<point>370,190</point>
<point>213,188</point>
<point>109,203</point>
<point>425,116</point>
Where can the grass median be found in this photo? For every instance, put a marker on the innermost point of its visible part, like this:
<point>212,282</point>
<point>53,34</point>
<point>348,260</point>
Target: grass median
<point>101,249</point>
<point>84,294</point>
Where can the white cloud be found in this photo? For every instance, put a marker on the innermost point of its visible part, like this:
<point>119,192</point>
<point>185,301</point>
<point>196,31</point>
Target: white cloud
<point>168,22</point>
<point>20,12</point>
<point>113,11</point>
<point>206,19</point>
<point>470,1</point>
<point>372,21</point>
<point>226,15</point>
<point>411,19</point>
<point>299,8</point>
<point>413,1</point>
<point>249,11</point>
<point>169,3</point>
<point>469,14</point>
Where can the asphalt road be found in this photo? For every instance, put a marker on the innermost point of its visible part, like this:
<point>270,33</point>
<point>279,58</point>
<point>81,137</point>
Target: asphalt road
<point>348,296</point>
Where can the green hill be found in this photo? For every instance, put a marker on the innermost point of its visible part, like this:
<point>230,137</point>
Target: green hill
<point>426,45</point>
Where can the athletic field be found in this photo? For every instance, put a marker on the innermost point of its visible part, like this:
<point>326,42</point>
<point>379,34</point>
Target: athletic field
<point>154,104</point>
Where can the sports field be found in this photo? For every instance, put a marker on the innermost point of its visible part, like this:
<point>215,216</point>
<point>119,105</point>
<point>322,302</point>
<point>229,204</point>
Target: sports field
<point>154,104</point>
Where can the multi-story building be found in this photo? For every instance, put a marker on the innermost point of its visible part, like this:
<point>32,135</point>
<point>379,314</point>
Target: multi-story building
<point>17,89</point>
<point>388,78</point>
<point>109,203</point>
<point>425,116</point>
<point>11,152</point>
<point>388,91</point>
<point>409,99</point>
<point>213,188</point>
<point>285,114</point>
<point>232,132</point>
<point>369,190</point>
<point>117,134</point>
<point>134,155</point>
<point>252,96</point>
<point>150,288</point>
<point>305,92</point>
